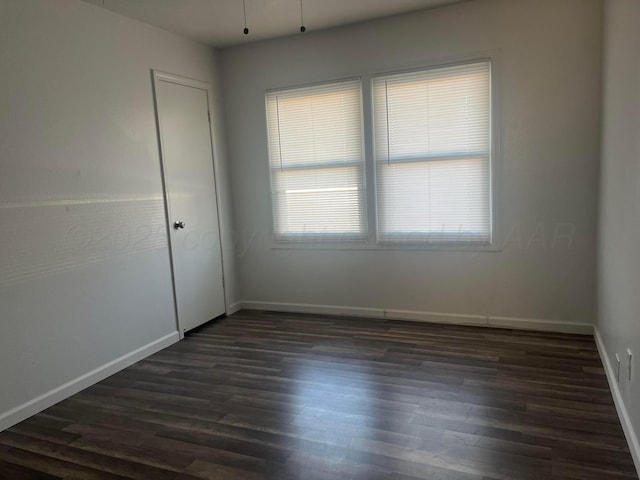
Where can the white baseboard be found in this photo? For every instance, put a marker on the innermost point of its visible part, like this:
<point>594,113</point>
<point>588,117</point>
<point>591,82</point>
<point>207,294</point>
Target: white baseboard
<point>234,307</point>
<point>429,317</point>
<point>541,325</point>
<point>27,409</point>
<point>310,308</point>
<point>623,414</point>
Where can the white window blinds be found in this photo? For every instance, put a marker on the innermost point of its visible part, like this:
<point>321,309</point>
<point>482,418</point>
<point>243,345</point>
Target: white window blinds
<point>433,154</point>
<point>317,162</point>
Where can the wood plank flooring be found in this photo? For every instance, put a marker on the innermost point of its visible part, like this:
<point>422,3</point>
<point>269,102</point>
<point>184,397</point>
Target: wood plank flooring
<point>284,396</point>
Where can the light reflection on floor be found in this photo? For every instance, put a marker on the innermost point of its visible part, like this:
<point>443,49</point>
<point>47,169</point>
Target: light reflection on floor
<point>336,416</point>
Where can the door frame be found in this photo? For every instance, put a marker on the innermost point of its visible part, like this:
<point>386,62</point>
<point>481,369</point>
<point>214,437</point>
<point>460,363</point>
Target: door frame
<point>159,76</point>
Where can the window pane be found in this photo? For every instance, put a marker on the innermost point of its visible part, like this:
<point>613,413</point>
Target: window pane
<point>438,200</point>
<point>432,146</point>
<point>318,201</point>
<point>316,157</point>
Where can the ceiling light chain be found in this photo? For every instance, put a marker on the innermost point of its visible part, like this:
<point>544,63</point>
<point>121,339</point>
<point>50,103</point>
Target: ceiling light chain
<point>244,9</point>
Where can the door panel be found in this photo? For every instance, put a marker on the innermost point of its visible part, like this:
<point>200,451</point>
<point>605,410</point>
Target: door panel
<point>183,115</point>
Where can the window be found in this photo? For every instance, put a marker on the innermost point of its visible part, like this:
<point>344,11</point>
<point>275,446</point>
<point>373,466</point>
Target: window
<point>316,159</point>
<point>433,155</point>
<point>431,165</point>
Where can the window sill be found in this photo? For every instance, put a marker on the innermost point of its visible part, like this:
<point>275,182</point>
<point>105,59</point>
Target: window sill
<point>435,247</point>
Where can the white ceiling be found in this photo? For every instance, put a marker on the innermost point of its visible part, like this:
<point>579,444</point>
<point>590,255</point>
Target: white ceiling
<point>219,23</point>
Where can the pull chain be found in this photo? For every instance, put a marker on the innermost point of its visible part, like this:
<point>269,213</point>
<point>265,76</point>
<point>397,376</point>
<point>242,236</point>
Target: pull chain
<point>302,27</point>
<point>244,9</point>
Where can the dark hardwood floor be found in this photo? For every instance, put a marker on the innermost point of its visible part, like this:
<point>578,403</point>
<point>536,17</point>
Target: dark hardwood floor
<point>284,396</point>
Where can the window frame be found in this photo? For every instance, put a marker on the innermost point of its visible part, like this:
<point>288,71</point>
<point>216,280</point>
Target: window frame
<point>421,240</point>
<point>296,240</point>
<point>371,242</point>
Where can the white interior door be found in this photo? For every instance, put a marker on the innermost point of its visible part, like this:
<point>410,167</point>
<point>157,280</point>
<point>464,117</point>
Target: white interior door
<point>187,157</point>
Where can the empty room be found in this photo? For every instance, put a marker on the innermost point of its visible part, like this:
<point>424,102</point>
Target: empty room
<point>320,239</point>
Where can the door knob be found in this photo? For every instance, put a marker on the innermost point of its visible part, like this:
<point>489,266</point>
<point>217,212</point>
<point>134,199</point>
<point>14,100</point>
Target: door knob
<point>178,225</point>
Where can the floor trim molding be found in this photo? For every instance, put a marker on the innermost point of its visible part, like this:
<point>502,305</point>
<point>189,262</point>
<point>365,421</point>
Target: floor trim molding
<point>623,414</point>
<point>234,307</point>
<point>27,409</point>
<point>423,316</point>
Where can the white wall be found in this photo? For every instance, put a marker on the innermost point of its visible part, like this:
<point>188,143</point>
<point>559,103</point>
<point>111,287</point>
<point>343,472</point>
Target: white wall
<point>619,249</point>
<point>548,59</point>
<point>84,264</point>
